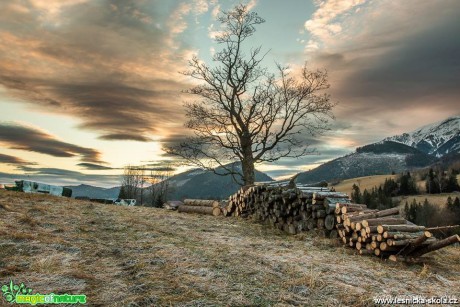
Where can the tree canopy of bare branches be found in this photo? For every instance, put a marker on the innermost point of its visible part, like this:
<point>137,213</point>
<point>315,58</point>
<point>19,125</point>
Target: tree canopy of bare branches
<point>157,180</point>
<point>246,113</point>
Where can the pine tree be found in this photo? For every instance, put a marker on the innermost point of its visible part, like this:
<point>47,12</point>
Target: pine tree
<point>413,209</point>
<point>451,184</point>
<point>449,203</point>
<point>432,184</point>
<point>356,194</point>
<point>406,210</point>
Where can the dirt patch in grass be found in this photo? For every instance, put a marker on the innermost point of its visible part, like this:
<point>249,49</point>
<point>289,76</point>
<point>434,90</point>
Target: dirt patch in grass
<point>140,256</point>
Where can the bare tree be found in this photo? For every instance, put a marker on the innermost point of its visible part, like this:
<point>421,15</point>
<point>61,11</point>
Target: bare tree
<point>246,113</point>
<point>159,188</point>
<point>131,183</point>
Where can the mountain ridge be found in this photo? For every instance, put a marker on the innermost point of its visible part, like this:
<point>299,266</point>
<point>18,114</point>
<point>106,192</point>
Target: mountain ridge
<point>194,183</point>
<point>419,148</point>
<point>437,139</point>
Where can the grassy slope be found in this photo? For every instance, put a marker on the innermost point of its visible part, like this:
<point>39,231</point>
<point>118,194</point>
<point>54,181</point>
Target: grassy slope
<point>369,182</point>
<point>152,256</point>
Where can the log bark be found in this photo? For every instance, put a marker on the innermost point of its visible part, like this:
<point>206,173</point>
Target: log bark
<point>201,202</point>
<point>401,235</point>
<point>406,228</point>
<point>384,221</point>
<point>437,245</point>
<point>409,259</point>
<point>323,195</point>
<point>441,228</point>
<point>196,209</point>
<point>377,214</point>
<point>415,243</point>
<point>329,222</point>
<point>333,234</point>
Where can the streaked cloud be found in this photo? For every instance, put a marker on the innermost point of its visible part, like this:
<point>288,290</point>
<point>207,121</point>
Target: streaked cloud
<point>393,65</point>
<point>61,177</point>
<point>33,139</point>
<point>94,167</point>
<point>7,159</point>
<point>108,63</point>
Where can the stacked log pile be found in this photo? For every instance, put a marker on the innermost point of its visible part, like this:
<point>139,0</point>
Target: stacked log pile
<point>291,208</point>
<point>296,208</point>
<point>385,233</point>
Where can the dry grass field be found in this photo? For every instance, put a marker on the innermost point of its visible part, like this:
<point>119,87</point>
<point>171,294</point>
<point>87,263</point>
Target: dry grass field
<point>436,199</point>
<point>367,182</point>
<point>137,256</point>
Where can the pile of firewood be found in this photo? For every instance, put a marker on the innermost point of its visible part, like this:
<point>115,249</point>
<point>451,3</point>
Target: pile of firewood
<point>289,207</point>
<point>385,233</point>
<point>296,208</point>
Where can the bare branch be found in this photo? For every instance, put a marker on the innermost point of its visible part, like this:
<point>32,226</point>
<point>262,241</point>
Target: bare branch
<point>246,113</point>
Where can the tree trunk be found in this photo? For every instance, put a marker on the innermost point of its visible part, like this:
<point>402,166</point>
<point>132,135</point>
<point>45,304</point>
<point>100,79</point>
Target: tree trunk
<point>248,167</point>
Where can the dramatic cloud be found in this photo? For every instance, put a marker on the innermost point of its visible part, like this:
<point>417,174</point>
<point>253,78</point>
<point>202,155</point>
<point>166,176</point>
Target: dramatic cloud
<point>95,167</point>
<point>61,177</point>
<point>392,65</point>
<point>111,64</point>
<point>30,139</point>
<point>324,23</point>
<point>13,160</point>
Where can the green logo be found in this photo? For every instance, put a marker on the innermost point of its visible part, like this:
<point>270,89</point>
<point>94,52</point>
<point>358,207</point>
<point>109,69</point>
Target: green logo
<point>10,291</point>
<point>20,294</point>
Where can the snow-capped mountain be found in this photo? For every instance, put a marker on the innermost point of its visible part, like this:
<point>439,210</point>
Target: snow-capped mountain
<point>379,158</point>
<point>407,151</point>
<point>435,139</point>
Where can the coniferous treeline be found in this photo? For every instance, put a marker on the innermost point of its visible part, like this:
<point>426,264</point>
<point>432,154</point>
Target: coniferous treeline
<point>432,215</point>
<point>381,197</point>
<point>440,181</point>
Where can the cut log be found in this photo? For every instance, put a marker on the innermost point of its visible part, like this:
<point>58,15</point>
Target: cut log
<point>371,229</point>
<point>406,228</point>
<point>329,222</point>
<point>196,209</point>
<point>396,258</point>
<point>365,252</point>
<point>201,202</point>
<point>311,224</point>
<point>384,221</point>
<point>320,223</point>
<point>437,245</point>
<point>397,235</point>
<point>216,211</point>
<point>378,214</point>
<point>323,195</point>
<point>333,234</point>
<point>441,228</point>
<point>416,243</point>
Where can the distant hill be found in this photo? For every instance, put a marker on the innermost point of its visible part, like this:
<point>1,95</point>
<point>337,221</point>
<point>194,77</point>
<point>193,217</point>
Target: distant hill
<point>355,165</point>
<point>196,183</point>
<point>375,159</point>
<point>421,148</point>
<point>199,183</point>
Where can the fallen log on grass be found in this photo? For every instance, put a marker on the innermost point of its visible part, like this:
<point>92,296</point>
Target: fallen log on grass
<point>437,245</point>
<point>200,210</point>
<point>201,202</point>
